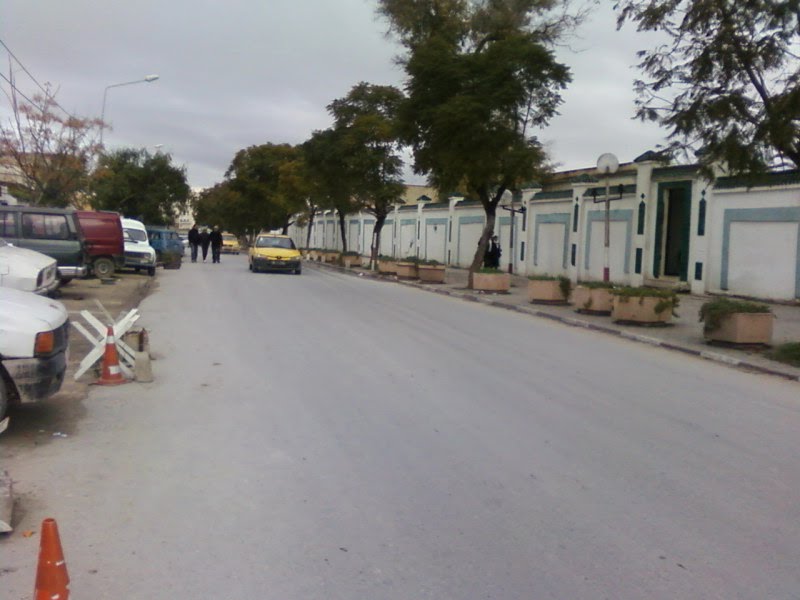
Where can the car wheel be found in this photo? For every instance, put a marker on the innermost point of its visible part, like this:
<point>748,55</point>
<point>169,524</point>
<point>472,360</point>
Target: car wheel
<point>103,268</point>
<point>151,271</point>
<point>297,271</point>
<point>250,265</point>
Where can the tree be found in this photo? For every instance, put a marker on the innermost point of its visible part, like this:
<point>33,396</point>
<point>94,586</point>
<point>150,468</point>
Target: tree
<point>269,192</point>
<point>51,150</point>
<point>366,121</point>
<point>733,73</point>
<point>479,73</point>
<point>140,185</point>
<point>329,176</point>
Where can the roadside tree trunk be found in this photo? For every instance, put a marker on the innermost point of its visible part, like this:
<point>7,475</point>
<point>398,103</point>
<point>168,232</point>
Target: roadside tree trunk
<point>490,209</point>
<point>380,219</point>
<point>311,214</point>
<point>342,229</point>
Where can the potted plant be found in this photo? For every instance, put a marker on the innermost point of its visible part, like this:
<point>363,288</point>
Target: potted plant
<point>407,268</point>
<point>490,279</point>
<point>386,265</point>
<point>351,259</point>
<point>593,297</point>
<point>643,305</point>
<point>431,271</point>
<point>547,289</point>
<point>331,256</point>
<point>736,321</point>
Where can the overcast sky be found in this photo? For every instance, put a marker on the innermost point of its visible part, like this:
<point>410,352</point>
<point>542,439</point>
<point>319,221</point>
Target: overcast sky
<point>235,73</point>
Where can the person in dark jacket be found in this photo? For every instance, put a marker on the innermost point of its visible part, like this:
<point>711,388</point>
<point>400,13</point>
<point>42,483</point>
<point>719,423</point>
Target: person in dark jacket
<point>194,241</point>
<point>204,241</point>
<point>215,237</point>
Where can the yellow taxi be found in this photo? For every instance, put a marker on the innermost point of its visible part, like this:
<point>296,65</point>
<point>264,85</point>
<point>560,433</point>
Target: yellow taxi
<point>230,244</point>
<point>273,252</point>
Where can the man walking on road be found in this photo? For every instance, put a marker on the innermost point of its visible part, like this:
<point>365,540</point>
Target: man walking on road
<point>194,241</point>
<point>215,237</point>
<point>204,241</point>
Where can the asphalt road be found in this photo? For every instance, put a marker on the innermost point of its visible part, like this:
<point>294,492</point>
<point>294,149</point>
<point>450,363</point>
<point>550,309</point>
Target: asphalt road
<point>331,437</point>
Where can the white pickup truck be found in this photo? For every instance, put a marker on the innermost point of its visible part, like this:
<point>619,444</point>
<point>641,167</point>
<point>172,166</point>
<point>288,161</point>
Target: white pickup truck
<point>34,333</point>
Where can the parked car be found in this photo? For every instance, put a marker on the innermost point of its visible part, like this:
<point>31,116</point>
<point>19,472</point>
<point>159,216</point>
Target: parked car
<point>27,270</point>
<point>273,252</point>
<point>105,245</point>
<point>138,252</point>
<point>167,244</point>
<point>33,347</point>
<point>51,231</point>
<point>230,244</point>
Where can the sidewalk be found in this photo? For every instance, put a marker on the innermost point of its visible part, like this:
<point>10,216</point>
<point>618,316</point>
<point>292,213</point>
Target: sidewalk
<point>685,334</point>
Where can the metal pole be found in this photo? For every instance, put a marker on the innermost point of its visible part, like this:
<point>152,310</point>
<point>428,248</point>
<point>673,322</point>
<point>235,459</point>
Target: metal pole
<point>606,259</point>
<point>511,240</point>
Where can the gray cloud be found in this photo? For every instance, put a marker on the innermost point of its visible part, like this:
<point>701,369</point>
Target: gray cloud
<point>243,72</point>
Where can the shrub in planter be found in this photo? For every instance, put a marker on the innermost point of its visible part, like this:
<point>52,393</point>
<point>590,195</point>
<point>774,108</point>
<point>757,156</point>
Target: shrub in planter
<point>547,289</point>
<point>406,268</point>
<point>491,280</point>
<point>431,271</point>
<point>593,297</point>
<point>736,321</point>
<point>351,259</point>
<point>643,305</point>
<point>386,265</point>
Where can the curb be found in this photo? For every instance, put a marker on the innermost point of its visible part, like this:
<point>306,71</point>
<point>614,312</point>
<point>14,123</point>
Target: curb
<point>716,357</point>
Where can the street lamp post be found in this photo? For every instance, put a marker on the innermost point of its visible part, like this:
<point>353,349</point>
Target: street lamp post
<point>147,79</point>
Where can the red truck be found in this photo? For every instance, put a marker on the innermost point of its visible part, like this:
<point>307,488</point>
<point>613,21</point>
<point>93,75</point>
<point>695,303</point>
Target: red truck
<point>105,244</point>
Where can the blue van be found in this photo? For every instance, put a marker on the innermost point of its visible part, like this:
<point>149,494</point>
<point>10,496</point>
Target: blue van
<point>167,244</point>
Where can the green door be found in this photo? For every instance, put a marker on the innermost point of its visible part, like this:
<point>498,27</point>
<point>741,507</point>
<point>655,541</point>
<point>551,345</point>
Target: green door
<point>673,216</point>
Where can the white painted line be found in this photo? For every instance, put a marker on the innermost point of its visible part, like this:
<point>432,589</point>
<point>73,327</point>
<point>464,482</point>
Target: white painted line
<point>640,338</point>
<point>723,358</point>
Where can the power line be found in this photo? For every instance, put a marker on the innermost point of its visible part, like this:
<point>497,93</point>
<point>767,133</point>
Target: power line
<point>41,87</point>
<point>16,89</point>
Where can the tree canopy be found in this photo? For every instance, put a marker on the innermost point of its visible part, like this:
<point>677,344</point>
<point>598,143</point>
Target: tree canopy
<point>51,150</point>
<point>481,75</point>
<point>727,85</point>
<point>140,185</point>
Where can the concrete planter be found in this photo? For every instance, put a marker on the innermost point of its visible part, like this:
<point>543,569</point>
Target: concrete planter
<point>639,309</point>
<point>387,267</point>
<point>743,328</point>
<point>491,282</point>
<point>545,291</point>
<point>406,270</point>
<point>431,273</point>
<point>593,301</point>
<point>351,260</point>
<point>331,257</point>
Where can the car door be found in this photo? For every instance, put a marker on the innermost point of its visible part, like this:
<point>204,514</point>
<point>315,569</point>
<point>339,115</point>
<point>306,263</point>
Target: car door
<point>51,234</point>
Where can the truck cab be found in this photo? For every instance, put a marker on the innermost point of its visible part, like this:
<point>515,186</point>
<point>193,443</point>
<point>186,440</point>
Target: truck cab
<point>34,333</point>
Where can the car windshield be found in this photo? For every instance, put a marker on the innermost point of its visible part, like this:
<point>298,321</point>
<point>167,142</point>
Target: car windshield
<point>227,237</point>
<point>137,235</point>
<point>275,242</point>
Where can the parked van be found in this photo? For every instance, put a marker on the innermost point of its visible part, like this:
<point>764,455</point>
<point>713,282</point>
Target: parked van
<point>51,231</point>
<point>167,244</point>
<point>105,246</point>
<point>33,347</point>
<point>138,252</point>
<point>27,270</point>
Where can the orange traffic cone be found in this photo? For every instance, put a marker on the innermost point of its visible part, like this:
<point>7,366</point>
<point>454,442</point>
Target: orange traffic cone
<point>52,579</point>
<point>111,373</point>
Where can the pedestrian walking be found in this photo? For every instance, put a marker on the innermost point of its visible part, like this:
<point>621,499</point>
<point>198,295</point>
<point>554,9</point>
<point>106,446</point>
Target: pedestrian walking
<point>215,237</point>
<point>204,241</point>
<point>493,253</point>
<point>194,241</point>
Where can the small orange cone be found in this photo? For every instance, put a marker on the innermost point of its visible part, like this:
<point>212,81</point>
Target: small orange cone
<point>111,373</point>
<point>52,579</point>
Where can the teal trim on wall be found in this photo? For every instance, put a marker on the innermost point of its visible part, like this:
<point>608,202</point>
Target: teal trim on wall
<point>369,222</point>
<point>471,220</point>
<point>436,221</point>
<point>552,218</point>
<point>619,215</point>
<point>407,222</point>
<point>504,221</point>
<point>785,214</point>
